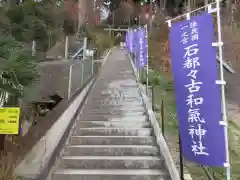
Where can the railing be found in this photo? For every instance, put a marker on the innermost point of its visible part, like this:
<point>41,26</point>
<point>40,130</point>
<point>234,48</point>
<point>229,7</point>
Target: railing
<point>3,97</point>
<point>173,172</point>
<point>80,72</point>
<point>79,53</point>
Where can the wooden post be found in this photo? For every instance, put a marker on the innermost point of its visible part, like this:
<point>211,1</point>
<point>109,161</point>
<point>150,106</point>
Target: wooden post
<point>2,142</point>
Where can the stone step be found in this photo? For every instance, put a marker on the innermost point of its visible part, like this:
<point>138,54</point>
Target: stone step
<point>110,174</point>
<point>108,124</point>
<point>105,86</point>
<point>113,98</point>
<point>133,102</point>
<point>109,92</point>
<point>116,94</point>
<point>102,110</point>
<point>114,104</point>
<point>116,113</point>
<point>111,162</point>
<point>113,77</point>
<point>120,106</point>
<point>111,150</point>
<point>84,117</point>
<point>117,100</point>
<point>112,140</point>
<point>113,132</point>
<point>109,95</point>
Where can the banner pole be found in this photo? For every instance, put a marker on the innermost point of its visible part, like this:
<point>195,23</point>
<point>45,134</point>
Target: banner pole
<point>146,26</point>
<point>181,158</point>
<point>224,112</point>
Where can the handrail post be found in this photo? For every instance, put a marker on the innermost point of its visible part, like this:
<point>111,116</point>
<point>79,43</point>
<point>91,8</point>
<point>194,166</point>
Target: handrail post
<point>84,47</point>
<point>82,72</point>
<point>153,106</point>
<point>66,47</point>
<point>70,81</point>
<point>162,118</point>
<point>92,62</point>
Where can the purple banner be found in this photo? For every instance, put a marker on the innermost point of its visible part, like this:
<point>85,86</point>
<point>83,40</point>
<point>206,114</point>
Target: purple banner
<point>130,40</point>
<point>197,95</point>
<point>135,42</point>
<point>142,48</point>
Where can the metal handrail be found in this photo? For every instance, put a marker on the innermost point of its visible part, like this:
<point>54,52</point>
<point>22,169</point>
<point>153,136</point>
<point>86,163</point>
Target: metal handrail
<point>81,63</point>
<point>226,66</point>
<point>77,53</point>
<point>208,174</point>
<point>78,61</point>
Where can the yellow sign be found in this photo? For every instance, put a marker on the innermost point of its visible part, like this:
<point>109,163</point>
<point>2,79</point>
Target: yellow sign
<point>9,120</point>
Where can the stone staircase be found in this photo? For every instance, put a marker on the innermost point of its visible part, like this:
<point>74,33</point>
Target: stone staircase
<point>112,138</point>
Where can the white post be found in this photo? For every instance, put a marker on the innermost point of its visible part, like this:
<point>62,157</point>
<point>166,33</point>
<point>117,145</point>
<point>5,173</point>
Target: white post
<point>205,4</point>
<point>189,6</point>
<point>33,48</point>
<point>147,59</point>
<point>66,48</point>
<point>139,20</point>
<point>70,81</point>
<point>151,19</point>
<point>224,112</point>
<point>135,64</point>
<point>135,61</point>
<point>94,6</point>
<point>82,71</point>
<point>92,60</point>
<point>84,47</point>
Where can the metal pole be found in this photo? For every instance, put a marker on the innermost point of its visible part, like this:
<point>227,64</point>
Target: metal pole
<point>33,48</point>
<point>162,116</point>
<point>94,6</point>
<point>113,19</point>
<point>153,103</point>
<point>129,21</point>
<point>66,47</point>
<point>92,63</point>
<point>84,47</point>
<point>135,62</point>
<point>139,20</point>
<point>181,159</point>
<point>205,4</point>
<point>139,70</point>
<point>150,26</point>
<point>146,27</point>
<point>70,82</point>
<point>82,72</point>
<point>189,6</point>
<point>224,113</point>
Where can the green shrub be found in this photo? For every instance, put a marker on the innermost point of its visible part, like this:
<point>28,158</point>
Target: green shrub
<point>154,79</point>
